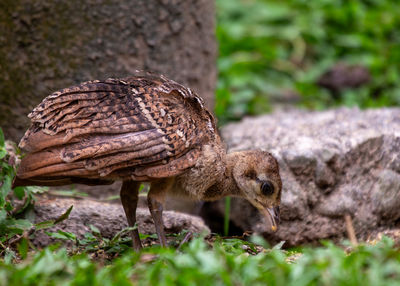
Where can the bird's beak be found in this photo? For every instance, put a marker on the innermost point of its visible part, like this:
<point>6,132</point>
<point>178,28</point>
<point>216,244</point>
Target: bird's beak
<point>273,216</point>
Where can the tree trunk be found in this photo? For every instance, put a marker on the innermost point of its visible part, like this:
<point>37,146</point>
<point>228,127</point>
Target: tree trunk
<point>48,45</point>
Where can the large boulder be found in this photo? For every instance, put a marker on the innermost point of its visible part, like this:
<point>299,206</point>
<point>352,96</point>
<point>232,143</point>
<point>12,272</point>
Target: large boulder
<point>333,163</point>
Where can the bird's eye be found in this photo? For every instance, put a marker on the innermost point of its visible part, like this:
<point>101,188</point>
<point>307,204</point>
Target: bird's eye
<point>267,188</point>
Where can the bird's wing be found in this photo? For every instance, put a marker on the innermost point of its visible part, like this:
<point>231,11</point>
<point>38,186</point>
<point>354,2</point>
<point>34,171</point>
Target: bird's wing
<point>141,127</point>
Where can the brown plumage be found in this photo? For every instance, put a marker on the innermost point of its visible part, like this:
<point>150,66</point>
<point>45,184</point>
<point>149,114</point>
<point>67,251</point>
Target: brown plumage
<point>144,128</point>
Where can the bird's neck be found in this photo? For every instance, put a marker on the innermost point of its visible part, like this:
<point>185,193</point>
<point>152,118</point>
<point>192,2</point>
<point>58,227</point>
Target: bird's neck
<point>225,185</point>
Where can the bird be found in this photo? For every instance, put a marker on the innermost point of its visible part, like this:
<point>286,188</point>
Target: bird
<point>144,128</point>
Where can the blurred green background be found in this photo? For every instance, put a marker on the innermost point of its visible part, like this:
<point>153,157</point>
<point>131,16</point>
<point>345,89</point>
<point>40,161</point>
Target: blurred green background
<point>275,52</point>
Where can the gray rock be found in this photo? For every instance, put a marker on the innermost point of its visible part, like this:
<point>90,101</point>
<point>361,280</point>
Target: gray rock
<point>386,194</point>
<point>108,218</point>
<point>333,163</point>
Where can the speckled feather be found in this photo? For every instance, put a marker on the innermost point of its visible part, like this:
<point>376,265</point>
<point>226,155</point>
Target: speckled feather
<point>140,127</point>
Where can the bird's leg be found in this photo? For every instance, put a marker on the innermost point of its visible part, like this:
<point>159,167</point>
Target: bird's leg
<point>129,198</point>
<point>155,200</point>
<point>156,209</point>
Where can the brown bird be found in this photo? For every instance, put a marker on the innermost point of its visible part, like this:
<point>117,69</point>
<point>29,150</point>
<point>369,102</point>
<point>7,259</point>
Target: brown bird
<point>144,128</point>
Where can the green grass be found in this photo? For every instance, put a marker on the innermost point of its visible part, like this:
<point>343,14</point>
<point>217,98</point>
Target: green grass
<point>226,263</point>
<point>271,47</point>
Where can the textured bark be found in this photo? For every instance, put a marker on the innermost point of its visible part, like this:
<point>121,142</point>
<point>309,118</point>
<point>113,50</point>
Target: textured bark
<point>48,45</point>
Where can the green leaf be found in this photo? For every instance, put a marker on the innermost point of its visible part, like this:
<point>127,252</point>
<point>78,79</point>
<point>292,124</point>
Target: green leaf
<point>121,232</point>
<point>20,224</point>
<point>62,235</point>
<point>2,140</point>
<point>9,256</point>
<point>68,193</point>
<point>50,223</point>
<point>44,224</point>
<point>94,230</point>
<point>8,206</point>
<point>3,153</point>
<point>37,190</point>
<point>3,215</point>
<point>5,188</point>
<point>144,236</point>
<point>19,192</point>
<point>23,248</point>
<point>113,197</point>
<point>256,239</point>
<point>279,245</point>
<point>64,216</point>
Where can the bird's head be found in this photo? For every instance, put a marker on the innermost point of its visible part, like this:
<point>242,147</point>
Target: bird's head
<point>257,176</point>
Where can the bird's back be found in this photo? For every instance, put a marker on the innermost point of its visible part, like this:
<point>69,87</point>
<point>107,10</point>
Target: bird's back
<point>142,128</point>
